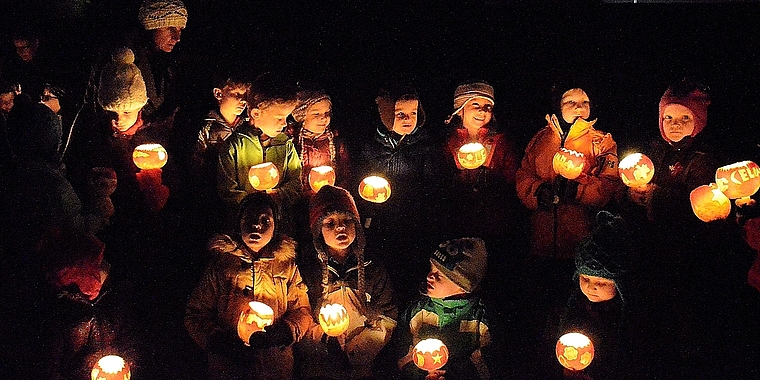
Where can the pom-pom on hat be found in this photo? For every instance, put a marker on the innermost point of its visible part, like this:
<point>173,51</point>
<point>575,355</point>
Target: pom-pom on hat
<point>463,261</point>
<point>155,14</point>
<point>307,99</point>
<point>603,253</point>
<point>122,88</point>
<point>690,95</point>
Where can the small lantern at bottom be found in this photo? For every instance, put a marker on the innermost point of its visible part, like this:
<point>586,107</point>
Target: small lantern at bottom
<point>568,163</point>
<point>709,203</point>
<point>472,155</point>
<point>320,176</point>
<point>111,367</point>
<point>334,319</point>
<point>253,319</point>
<point>264,176</point>
<point>575,351</point>
<point>430,354</point>
<point>149,156</point>
<point>375,189</point>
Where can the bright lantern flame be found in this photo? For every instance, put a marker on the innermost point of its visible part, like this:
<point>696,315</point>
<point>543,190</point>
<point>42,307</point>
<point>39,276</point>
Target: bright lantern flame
<point>636,170</point>
<point>375,189</point>
<point>472,155</point>
<point>149,156</point>
<point>334,319</point>
<point>111,365</point>
<point>575,351</point>
<point>576,340</point>
<point>320,176</point>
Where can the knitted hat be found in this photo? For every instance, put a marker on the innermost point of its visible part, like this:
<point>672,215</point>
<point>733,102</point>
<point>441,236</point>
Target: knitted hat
<point>122,88</point>
<point>386,105</point>
<point>307,99</point>
<point>463,261</point>
<point>155,14</point>
<point>74,259</point>
<point>468,91</point>
<point>603,252</point>
<point>691,96</point>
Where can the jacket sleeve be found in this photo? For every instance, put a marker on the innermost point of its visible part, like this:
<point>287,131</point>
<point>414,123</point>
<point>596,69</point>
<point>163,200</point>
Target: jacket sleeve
<point>298,315</point>
<point>603,180</point>
<point>526,178</point>
<point>290,187</point>
<point>201,307</point>
<point>381,292</point>
<point>227,178</point>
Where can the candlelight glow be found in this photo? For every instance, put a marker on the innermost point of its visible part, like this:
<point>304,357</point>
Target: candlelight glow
<point>568,163</point>
<point>150,156</point>
<point>375,189</point>
<point>636,170</point>
<point>430,354</point>
<point>575,351</point>
<point>111,367</point>
<point>320,176</point>
<point>334,319</point>
<point>472,155</point>
<point>264,176</point>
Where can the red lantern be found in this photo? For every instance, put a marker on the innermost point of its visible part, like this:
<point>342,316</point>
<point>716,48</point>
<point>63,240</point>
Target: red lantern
<point>739,181</point>
<point>253,319</point>
<point>575,351</point>
<point>430,354</point>
<point>375,189</point>
<point>472,155</point>
<point>334,319</point>
<point>149,156</point>
<point>320,176</point>
<point>568,163</point>
<point>636,170</point>
<point>264,176</point>
<point>709,203</point>
<point>111,367</point>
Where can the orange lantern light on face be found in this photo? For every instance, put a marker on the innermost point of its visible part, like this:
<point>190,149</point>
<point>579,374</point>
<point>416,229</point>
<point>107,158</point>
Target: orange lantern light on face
<point>253,319</point>
<point>739,181</point>
<point>150,156</point>
<point>375,189</point>
<point>430,354</point>
<point>636,170</point>
<point>264,176</point>
<point>472,155</point>
<point>334,319</point>
<point>111,367</point>
<point>568,163</point>
<point>575,351</point>
<point>709,203</point>
<point>321,176</point>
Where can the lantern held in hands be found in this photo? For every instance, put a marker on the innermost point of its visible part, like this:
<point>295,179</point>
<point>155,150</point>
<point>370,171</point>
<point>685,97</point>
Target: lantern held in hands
<point>375,189</point>
<point>575,351</point>
<point>568,163</point>
<point>111,367</point>
<point>472,155</point>
<point>320,176</point>
<point>430,354</point>
<point>636,170</point>
<point>149,156</point>
<point>253,319</point>
<point>739,181</point>
<point>264,176</point>
<point>709,203</point>
<point>334,319</point>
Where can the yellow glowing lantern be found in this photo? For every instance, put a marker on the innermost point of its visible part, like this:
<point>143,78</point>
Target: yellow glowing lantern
<point>472,155</point>
<point>575,351</point>
<point>636,170</point>
<point>253,319</point>
<point>320,176</point>
<point>111,367</point>
<point>709,203</point>
<point>430,354</point>
<point>739,181</point>
<point>150,156</point>
<point>264,176</point>
<point>334,319</point>
<point>375,189</point>
<point>568,163</point>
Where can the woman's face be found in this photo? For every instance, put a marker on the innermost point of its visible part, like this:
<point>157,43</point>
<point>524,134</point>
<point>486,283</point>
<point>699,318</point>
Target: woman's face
<point>405,116</point>
<point>476,113</point>
<point>574,104</point>
<point>597,289</point>
<point>677,122</point>
<point>257,227</point>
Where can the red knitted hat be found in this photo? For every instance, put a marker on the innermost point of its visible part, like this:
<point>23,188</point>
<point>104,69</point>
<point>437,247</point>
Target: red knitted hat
<point>695,100</point>
<point>331,199</point>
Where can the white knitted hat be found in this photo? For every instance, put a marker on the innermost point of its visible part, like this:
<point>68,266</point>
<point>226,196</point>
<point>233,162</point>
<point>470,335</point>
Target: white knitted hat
<point>156,14</point>
<point>122,88</point>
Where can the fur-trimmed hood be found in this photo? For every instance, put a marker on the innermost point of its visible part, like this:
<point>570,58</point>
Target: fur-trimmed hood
<point>282,248</point>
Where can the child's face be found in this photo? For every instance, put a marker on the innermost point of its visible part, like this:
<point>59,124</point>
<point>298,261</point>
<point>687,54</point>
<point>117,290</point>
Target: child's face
<point>440,286</point>
<point>339,231</point>
<point>257,228</point>
<point>6,101</point>
<point>597,289</point>
<point>575,103</point>
<point>476,113</point>
<point>231,99</point>
<point>318,117</point>
<point>677,122</point>
<point>405,119</point>
<point>272,119</point>
<point>125,119</point>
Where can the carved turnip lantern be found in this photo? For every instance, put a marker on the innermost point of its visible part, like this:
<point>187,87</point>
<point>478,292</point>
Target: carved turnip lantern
<point>739,181</point>
<point>253,319</point>
<point>375,189</point>
<point>472,155</point>
<point>575,351</point>
<point>320,176</point>
<point>149,156</point>
<point>264,176</point>
<point>111,367</point>
<point>709,203</point>
<point>636,170</point>
<point>568,163</point>
<point>334,319</point>
<point>430,354</point>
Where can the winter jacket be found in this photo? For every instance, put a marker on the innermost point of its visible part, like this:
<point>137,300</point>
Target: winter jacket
<point>215,131</point>
<point>316,151</point>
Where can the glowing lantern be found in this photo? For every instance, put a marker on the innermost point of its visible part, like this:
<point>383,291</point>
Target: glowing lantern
<point>568,163</point>
<point>375,189</point>
<point>636,170</point>
<point>709,203</point>
<point>320,176</point>
<point>334,319</point>
<point>264,176</point>
<point>739,181</point>
<point>575,351</point>
<point>149,156</point>
<point>254,319</point>
<point>472,155</point>
<point>430,354</point>
<point>111,367</point>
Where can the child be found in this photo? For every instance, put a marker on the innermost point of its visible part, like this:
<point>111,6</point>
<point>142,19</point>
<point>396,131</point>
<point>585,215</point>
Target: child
<point>451,312</point>
<point>221,122</point>
<point>340,272</point>
<point>258,265</point>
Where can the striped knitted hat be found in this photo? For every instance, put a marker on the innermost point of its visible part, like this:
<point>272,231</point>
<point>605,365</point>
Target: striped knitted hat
<point>155,14</point>
<point>307,99</point>
<point>464,261</point>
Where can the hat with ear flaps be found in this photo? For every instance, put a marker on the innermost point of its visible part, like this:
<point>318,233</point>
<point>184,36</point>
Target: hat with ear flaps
<point>690,95</point>
<point>122,88</point>
<point>386,105</point>
<point>605,251</point>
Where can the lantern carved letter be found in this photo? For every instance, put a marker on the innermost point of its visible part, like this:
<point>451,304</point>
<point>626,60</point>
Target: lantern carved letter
<point>264,176</point>
<point>320,176</point>
<point>575,351</point>
<point>568,163</point>
<point>739,181</point>
<point>111,367</point>
<point>636,170</point>
<point>375,189</point>
<point>150,156</point>
<point>709,203</point>
<point>471,155</point>
<point>253,319</point>
<point>430,354</point>
<point>334,319</point>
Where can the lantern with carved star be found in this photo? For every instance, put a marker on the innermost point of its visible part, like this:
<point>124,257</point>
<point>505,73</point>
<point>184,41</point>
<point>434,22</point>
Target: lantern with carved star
<point>149,156</point>
<point>430,354</point>
<point>334,319</point>
<point>636,170</point>
<point>264,176</point>
<point>568,163</point>
<point>111,367</point>
<point>709,203</point>
<point>575,351</point>
<point>375,189</point>
<point>471,155</point>
<point>320,176</point>
<point>739,181</point>
<point>253,319</point>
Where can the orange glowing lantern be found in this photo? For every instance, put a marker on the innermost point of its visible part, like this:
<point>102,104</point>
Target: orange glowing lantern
<point>636,170</point>
<point>264,176</point>
<point>575,351</point>
<point>739,181</point>
<point>568,163</point>
<point>254,319</point>
<point>111,367</point>
<point>472,155</point>
<point>375,189</point>
<point>709,203</point>
<point>430,354</point>
<point>150,156</point>
<point>334,319</point>
<point>320,176</point>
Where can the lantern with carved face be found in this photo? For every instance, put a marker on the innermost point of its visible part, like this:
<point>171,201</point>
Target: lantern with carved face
<point>253,319</point>
<point>709,203</point>
<point>149,156</point>
<point>472,155</point>
<point>264,176</point>
<point>430,354</point>
<point>739,181</point>
<point>636,170</point>
<point>320,176</point>
<point>111,367</point>
<point>575,351</point>
<point>334,319</point>
<point>568,163</point>
<point>375,189</point>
